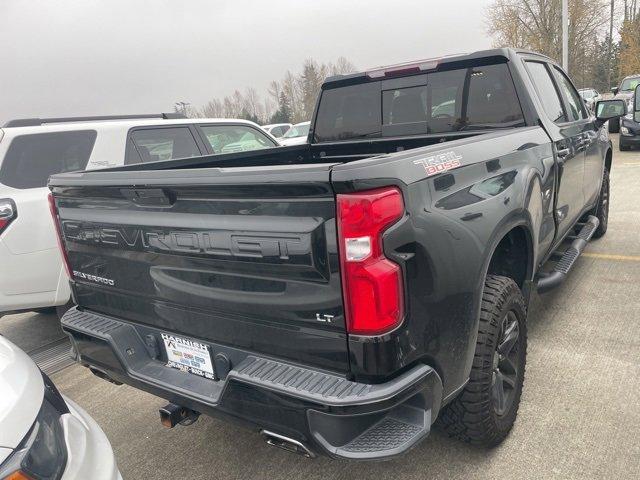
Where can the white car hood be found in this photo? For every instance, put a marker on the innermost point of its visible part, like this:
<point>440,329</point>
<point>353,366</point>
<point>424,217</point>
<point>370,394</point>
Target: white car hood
<point>21,393</point>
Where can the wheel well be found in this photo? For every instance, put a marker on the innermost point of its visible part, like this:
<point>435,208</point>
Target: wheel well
<point>607,160</point>
<point>511,257</point>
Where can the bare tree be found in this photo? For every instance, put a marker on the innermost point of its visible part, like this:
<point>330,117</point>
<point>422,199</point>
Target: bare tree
<point>537,25</point>
<point>292,98</point>
<point>341,67</point>
<point>186,109</point>
<point>267,110</point>
<point>213,109</point>
<point>252,102</point>
<point>630,44</point>
<point>290,89</point>
<point>274,91</point>
<point>610,42</point>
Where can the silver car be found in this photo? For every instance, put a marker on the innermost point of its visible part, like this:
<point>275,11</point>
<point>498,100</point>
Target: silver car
<point>590,96</point>
<point>44,435</point>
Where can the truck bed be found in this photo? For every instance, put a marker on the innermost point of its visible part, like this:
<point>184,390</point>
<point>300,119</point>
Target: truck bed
<point>308,154</point>
<point>243,256</point>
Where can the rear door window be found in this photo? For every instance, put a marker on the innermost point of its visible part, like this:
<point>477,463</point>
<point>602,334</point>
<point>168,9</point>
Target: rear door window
<point>547,92</point>
<point>575,106</point>
<point>235,138</point>
<point>156,144</point>
<point>31,159</point>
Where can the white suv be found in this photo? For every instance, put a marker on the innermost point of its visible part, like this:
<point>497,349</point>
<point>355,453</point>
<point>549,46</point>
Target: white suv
<point>31,273</point>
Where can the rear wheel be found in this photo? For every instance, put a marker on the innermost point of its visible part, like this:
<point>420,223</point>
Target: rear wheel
<point>485,411</point>
<point>602,209</point>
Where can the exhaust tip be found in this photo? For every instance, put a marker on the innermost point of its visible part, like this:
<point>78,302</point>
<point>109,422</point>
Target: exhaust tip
<point>286,443</point>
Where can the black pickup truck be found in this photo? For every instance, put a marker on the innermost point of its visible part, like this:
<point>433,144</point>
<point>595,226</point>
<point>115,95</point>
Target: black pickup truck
<point>343,295</point>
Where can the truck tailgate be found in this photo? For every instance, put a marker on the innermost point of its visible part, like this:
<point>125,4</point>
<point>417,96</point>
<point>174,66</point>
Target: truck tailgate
<point>245,257</point>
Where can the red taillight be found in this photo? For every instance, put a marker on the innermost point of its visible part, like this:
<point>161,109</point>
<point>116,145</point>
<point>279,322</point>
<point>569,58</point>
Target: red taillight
<point>56,222</point>
<point>371,283</point>
<point>8,213</point>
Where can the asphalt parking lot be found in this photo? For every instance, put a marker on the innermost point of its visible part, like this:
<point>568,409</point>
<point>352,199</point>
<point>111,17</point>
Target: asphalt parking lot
<point>580,411</point>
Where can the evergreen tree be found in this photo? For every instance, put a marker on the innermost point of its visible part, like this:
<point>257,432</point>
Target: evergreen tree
<point>283,114</point>
<point>246,115</point>
<point>310,82</point>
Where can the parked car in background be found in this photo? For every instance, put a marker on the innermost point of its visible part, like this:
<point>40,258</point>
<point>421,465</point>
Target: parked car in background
<point>624,91</point>
<point>43,435</point>
<point>32,275</point>
<point>630,125</point>
<point>297,135</point>
<point>277,129</point>
<point>590,97</point>
<point>341,295</point>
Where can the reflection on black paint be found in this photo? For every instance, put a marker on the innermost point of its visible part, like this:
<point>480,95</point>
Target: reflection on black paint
<point>444,182</point>
<point>477,192</point>
<point>493,165</point>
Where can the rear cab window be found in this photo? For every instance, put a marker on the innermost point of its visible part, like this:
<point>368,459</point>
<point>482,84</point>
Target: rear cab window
<point>463,99</point>
<point>31,159</point>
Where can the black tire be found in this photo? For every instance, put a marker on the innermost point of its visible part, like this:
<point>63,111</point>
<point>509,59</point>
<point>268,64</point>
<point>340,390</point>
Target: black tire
<point>614,125</point>
<point>602,208</point>
<point>477,415</point>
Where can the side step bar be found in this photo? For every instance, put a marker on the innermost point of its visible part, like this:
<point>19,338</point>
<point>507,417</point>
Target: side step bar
<point>568,259</point>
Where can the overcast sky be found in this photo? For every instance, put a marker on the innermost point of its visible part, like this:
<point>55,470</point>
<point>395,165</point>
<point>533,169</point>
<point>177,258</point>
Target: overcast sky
<point>90,57</point>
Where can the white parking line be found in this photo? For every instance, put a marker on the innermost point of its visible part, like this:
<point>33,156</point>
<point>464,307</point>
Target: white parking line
<point>609,256</point>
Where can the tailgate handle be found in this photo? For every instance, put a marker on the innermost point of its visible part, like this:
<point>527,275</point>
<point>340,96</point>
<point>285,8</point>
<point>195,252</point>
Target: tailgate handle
<point>149,197</point>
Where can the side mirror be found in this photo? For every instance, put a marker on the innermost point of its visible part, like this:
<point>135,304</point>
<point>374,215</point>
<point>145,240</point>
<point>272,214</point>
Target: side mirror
<point>614,90</point>
<point>636,104</point>
<point>608,109</point>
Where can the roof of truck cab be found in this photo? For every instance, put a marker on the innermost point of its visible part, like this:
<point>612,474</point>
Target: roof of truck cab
<point>505,53</point>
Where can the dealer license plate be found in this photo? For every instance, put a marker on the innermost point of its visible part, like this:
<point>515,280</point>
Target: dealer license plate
<point>188,355</point>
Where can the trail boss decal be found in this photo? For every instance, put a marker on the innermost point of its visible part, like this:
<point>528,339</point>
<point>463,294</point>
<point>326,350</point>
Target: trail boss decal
<point>440,162</point>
